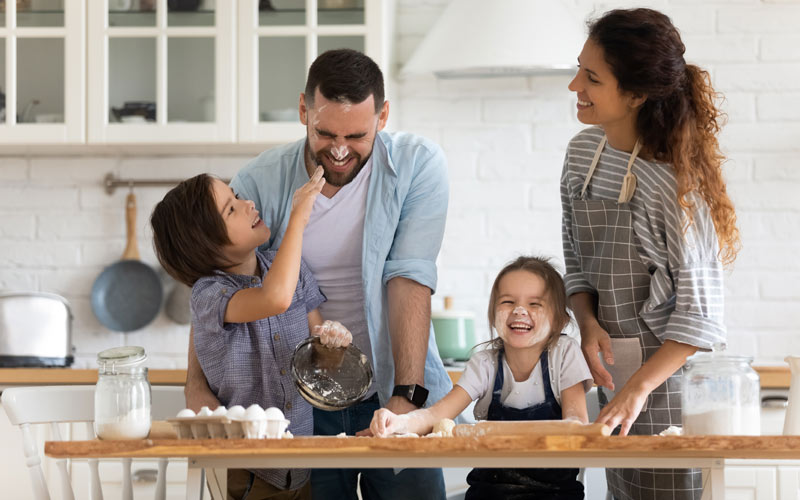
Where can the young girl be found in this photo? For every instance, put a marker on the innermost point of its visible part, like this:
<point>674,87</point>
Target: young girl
<point>250,309</point>
<point>647,224</point>
<point>529,372</point>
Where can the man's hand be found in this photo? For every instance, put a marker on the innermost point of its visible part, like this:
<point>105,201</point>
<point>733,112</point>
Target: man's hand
<point>398,405</point>
<point>196,391</point>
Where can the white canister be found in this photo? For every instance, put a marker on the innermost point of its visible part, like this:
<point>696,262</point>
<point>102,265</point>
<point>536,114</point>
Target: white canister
<point>122,394</point>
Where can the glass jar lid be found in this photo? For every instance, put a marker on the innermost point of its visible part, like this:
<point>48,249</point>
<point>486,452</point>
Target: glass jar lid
<point>124,356</point>
<point>717,357</point>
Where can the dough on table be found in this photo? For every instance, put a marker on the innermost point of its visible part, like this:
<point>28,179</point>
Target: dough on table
<point>444,427</point>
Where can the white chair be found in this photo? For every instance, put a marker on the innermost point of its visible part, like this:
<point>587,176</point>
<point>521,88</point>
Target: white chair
<point>64,404</point>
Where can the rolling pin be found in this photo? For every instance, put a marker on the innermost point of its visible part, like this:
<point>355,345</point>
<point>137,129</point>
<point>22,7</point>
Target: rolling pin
<point>530,427</point>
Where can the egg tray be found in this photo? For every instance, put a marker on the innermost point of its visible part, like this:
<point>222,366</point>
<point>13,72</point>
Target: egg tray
<point>222,427</point>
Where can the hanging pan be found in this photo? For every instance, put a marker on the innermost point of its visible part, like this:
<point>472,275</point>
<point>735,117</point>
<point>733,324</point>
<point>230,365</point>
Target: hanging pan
<point>127,295</point>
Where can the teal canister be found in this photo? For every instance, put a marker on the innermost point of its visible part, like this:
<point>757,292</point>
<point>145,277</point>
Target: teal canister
<point>454,331</point>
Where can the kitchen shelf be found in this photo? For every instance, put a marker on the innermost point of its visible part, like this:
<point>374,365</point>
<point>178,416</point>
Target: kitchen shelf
<point>135,18</point>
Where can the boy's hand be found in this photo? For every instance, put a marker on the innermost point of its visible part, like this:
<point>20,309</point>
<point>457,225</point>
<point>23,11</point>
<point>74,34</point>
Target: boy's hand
<point>385,423</point>
<point>333,334</point>
<point>303,200</point>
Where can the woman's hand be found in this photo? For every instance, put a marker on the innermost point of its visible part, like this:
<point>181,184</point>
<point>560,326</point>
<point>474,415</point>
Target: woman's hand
<point>593,341</point>
<point>385,423</point>
<point>624,409</point>
<point>333,334</point>
<point>303,200</point>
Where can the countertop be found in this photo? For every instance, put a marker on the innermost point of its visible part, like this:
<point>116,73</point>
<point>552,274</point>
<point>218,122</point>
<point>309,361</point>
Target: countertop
<point>772,377</point>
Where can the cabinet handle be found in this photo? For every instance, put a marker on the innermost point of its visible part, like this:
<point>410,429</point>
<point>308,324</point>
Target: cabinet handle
<point>145,475</point>
<point>774,402</point>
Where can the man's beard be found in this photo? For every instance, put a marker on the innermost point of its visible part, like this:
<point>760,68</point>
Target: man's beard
<point>336,179</point>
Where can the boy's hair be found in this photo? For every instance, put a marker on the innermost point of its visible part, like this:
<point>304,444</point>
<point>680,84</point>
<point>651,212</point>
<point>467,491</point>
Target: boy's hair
<point>188,231</point>
<point>555,293</point>
<point>345,75</point>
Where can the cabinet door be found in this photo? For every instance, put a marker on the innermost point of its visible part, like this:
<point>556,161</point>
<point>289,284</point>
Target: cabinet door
<point>788,483</point>
<point>161,72</point>
<point>42,64</point>
<point>278,41</point>
<point>750,483</point>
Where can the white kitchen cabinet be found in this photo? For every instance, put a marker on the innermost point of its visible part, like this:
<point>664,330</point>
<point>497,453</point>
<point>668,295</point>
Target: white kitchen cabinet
<point>750,483</point>
<point>161,76</point>
<point>789,482</point>
<point>276,46</point>
<point>42,72</point>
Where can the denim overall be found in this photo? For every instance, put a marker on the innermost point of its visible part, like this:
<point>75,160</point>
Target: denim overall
<point>518,484</point>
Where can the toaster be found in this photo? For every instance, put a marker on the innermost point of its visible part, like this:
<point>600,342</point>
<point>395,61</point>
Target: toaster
<point>35,330</point>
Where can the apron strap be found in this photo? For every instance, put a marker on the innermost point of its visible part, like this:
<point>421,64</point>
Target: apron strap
<point>596,158</point>
<point>628,182</point>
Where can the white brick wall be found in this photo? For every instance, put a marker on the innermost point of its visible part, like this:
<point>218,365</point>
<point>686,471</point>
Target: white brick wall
<point>504,139</point>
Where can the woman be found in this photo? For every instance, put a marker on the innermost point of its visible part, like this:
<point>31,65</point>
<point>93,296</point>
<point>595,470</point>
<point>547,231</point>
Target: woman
<point>647,225</point>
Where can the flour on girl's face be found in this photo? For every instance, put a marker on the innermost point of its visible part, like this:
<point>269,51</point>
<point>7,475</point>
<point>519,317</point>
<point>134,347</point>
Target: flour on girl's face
<point>537,319</point>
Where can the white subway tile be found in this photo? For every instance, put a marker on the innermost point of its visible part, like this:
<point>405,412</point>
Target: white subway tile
<point>757,77</point>
<point>441,110</point>
<point>13,170</point>
<point>740,342</point>
<point>693,19</point>
<point>30,197</point>
<point>71,171</point>
<point>762,314</point>
<point>486,138</point>
<point>501,86</point>
<point>554,137</point>
<point>474,195</point>
<point>417,19</point>
<point>36,254</point>
<point>162,167</point>
<point>776,344</point>
<point>770,255</point>
<point>760,19</point>
<point>740,107</point>
<point>741,284</point>
<point>78,226</point>
<point>15,225</point>
<point>462,165</point>
<point>760,137</point>
<point>779,47</point>
<point>780,285</point>
<point>765,195</point>
<point>17,280</point>
<point>768,226</point>
<point>778,167</point>
<point>520,166</point>
<point>779,106</point>
<point>706,49</point>
<point>527,110</point>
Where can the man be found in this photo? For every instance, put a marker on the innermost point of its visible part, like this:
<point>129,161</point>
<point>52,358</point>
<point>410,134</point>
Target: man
<point>371,243</point>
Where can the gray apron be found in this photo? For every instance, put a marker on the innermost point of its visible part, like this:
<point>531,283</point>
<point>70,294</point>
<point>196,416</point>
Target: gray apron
<point>606,246</point>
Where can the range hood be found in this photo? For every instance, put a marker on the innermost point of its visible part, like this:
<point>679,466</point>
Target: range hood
<point>485,38</point>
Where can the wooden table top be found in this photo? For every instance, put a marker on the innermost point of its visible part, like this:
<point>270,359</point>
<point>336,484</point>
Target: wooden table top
<point>752,447</point>
<point>772,377</point>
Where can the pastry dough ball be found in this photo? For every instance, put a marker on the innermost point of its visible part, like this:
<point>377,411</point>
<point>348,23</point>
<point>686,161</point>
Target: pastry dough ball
<point>444,427</point>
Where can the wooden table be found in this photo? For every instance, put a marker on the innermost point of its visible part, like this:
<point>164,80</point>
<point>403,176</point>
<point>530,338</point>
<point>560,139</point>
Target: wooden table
<point>708,452</point>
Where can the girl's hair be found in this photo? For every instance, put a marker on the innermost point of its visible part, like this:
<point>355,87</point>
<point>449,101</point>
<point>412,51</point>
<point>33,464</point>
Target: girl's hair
<point>556,296</point>
<point>188,231</point>
<point>679,121</point>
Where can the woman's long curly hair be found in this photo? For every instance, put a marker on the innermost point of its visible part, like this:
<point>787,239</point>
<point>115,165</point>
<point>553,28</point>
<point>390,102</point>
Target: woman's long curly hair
<point>679,120</point>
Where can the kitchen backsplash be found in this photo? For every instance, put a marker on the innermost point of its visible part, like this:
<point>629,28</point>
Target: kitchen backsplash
<point>504,139</point>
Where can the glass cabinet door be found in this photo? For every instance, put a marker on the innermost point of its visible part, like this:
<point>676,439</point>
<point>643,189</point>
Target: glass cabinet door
<point>161,71</point>
<point>41,71</point>
<point>278,41</point>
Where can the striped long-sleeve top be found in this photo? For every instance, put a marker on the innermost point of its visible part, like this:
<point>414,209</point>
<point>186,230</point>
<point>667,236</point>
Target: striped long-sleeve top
<point>686,292</point>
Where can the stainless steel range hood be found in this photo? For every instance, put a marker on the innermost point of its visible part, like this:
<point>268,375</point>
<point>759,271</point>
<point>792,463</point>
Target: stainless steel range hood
<point>486,38</point>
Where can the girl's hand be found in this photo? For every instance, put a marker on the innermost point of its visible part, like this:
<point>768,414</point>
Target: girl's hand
<point>333,334</point>
<point>593,341</point>
<point>385,423</point>
<point>303,200</point>
<point>623,409</point>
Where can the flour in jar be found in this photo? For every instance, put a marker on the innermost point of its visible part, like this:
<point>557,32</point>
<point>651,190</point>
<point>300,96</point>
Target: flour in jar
<point>133,425</point>
<point>744,421</point>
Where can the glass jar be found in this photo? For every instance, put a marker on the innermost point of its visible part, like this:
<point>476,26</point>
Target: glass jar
<point>122,394</point>
<point>720,395</point>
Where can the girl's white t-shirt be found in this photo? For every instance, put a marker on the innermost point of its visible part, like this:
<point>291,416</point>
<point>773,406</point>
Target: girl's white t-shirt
<point>566,364</point>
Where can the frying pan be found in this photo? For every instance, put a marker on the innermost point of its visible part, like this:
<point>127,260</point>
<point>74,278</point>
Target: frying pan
<point>127,294</point>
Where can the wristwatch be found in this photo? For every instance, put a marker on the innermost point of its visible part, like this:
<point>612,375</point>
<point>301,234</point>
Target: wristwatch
<point>414,393</point>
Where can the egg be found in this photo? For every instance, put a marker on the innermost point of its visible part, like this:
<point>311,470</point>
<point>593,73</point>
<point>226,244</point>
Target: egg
<point>221,411</point>
<point>204,412</point>
<point>236,412</point>
<point>254,412</point>
<point>273,413</point>
<point>186,412</point>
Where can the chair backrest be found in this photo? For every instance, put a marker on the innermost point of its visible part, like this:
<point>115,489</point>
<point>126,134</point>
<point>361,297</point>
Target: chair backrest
<point>63,404</point>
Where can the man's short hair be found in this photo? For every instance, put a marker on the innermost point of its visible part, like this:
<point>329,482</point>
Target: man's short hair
<point>345,75</point>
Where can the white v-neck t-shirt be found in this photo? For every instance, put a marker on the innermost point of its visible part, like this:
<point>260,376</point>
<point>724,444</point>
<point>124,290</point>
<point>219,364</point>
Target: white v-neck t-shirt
<point>332,248</point>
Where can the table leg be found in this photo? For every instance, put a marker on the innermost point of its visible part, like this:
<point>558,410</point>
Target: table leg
<point>217,483</point>
<point>714,480</point>
<point>194,483</point>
